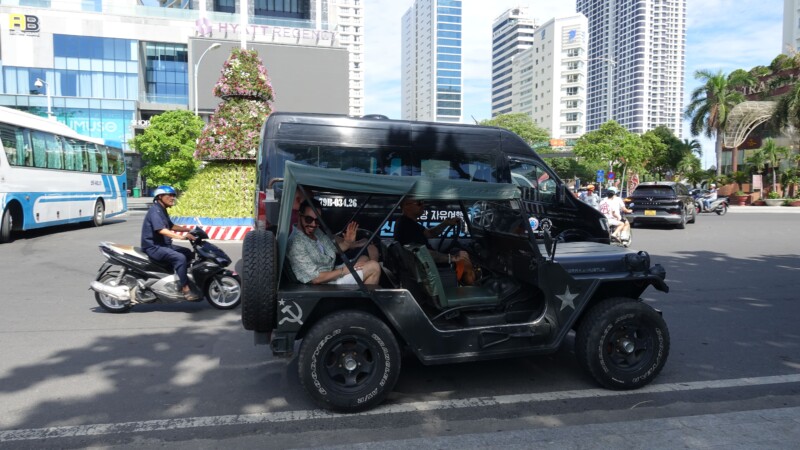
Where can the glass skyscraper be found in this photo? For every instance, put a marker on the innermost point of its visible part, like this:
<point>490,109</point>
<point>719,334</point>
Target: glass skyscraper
<point>432,81</point>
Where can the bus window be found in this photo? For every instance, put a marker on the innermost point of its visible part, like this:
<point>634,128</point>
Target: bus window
<point>93,157</point>
<point>55,152</point>
<point>102,163</point>
<point>71,154</point>
<point>39,142</point>
<point>8,136</point>
<point>113,160</point>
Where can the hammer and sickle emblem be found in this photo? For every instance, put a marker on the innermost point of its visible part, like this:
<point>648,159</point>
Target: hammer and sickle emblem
<point>294,314</point>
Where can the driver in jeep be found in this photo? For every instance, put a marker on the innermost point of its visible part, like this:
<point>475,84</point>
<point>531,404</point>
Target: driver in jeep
<point>409,231</point>
<point>312,255</point>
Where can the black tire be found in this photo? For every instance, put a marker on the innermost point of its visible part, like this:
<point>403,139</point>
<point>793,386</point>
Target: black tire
<point>622,343</point>
<point>99,215</point>
<point>224,292</point>
<point>110,304</point>
<point>722,210</point>
<point>682,224</point>
<point>6,226</point>
<point>349,338</point>
<point>259,273</point>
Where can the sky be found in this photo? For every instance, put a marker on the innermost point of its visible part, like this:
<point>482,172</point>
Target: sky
<point>720,35</point>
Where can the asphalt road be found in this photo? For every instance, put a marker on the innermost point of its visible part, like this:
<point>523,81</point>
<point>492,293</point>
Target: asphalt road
<point>188,376</point>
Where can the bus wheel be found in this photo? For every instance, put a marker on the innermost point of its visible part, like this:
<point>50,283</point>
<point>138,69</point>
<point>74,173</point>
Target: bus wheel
<point>99,214</point>
<point>5,227</point>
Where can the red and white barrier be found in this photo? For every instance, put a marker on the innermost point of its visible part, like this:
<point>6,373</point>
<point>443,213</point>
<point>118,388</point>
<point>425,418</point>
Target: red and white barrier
<point>226,233</point>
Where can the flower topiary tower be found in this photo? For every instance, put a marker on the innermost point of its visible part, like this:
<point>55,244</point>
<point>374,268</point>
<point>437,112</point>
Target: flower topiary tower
<point>224,187</point>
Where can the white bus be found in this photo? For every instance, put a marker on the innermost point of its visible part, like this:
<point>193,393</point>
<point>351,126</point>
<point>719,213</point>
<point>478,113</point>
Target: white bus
<point>51,175</point>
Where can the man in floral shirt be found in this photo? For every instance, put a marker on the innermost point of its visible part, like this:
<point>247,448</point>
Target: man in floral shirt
<point>312,255</point>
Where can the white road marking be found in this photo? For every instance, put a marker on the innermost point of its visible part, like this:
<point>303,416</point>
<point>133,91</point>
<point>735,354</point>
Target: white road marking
<point>296,416</point>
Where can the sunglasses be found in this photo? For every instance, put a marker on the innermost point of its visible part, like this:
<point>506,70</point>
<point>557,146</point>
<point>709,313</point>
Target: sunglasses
<point>308,220</point>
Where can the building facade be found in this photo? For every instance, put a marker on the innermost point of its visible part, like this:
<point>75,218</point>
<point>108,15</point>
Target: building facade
<point>512,32</point>
<point>549,78</point>
<point>791,27</point>
<point>107,66</point>
<point>431,79</point>
<point>636,63</point>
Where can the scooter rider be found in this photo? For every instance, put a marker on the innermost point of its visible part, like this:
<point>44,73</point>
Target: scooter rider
<point>710,197</point>
<point>158,231</point>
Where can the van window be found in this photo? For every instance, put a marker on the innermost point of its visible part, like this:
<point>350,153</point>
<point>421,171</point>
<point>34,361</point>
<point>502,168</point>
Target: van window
<point>536,183</point>
<point>398,161</point>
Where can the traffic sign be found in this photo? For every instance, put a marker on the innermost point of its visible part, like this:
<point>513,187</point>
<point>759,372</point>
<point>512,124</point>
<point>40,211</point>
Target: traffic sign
<point>610,175</point>
<point>601,175</point>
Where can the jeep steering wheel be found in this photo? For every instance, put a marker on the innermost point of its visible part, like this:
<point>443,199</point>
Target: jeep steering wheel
<point>454,243</point>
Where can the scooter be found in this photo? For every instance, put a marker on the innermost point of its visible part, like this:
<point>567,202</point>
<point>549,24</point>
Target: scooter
<point>719,206</point>
<point>625,240</point>
<point>129,277</point>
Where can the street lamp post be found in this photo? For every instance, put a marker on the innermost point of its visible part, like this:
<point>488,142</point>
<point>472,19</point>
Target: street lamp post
<point>39,83</point>
<point>213,46</point>
<point>611,63</point>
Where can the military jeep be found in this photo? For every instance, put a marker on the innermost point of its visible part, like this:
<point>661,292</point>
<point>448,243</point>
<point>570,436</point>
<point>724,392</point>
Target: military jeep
<point>529,294</point>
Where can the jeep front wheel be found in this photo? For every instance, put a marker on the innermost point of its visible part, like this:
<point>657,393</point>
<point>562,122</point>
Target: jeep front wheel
<point>622,343</point>
<point>349,361</point>
<point>258,281</point>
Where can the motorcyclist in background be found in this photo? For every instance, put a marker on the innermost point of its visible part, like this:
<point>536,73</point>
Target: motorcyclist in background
<point>158,231</point>
<point>710,197</point>
<point>613,208</point>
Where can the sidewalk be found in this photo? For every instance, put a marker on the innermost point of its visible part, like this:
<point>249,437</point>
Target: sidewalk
<point>765,209</point>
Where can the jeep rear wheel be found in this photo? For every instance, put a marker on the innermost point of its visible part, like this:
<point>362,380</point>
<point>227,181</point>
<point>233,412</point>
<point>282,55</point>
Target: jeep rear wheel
<point>622,343</point>
<point>259,273</point>
<point>349,361</point>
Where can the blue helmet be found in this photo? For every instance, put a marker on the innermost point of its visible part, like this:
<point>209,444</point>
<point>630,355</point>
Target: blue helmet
<point>164,189</point>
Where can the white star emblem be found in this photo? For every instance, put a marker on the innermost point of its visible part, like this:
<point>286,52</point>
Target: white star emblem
<point>566,299</point>
<point>281,302</point>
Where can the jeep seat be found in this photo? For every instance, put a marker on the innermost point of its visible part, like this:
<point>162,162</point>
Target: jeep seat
<point>451,297</point>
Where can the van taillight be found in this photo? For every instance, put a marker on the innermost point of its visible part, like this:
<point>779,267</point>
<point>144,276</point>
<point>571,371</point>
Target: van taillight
<point>261,211</point>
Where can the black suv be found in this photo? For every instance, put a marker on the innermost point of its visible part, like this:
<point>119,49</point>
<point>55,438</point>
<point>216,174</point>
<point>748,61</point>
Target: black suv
<point>662,202</point>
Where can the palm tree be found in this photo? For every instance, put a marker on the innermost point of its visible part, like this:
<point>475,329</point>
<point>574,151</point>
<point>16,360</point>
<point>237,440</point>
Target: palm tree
<point>787,110</point>
<point>709,107</point>
<point>774,154</point>
<point>692,146</point>
<point>758,161</point>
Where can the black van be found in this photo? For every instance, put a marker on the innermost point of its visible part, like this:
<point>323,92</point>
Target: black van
<point>377,145</point>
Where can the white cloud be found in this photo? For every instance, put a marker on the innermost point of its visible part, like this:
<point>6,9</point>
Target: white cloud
<point>721,35</point>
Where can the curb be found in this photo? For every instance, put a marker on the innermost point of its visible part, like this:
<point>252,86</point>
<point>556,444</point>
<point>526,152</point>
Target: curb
<point>218,229</point>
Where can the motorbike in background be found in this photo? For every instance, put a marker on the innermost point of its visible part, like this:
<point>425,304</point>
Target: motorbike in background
<point>719,206</point>
<point>129,277</point>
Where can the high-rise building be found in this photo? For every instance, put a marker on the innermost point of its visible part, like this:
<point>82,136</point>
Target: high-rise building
<point>431,82</point>
<point>791,26</point>
<point>512,32</point>
<point>549,78</point>
<point>635,63</point>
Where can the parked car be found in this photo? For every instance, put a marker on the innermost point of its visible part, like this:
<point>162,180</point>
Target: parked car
<point>528,295</point>
<point>664,202</point>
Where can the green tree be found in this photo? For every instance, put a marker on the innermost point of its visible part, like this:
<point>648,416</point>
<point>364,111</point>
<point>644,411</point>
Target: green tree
<point>696,177</point>
<point>757,161</point>
<point>709,107</point>
<point>521,125</point>
<point>612,143</point>
<point>167,147</point>
<point>774,154</point>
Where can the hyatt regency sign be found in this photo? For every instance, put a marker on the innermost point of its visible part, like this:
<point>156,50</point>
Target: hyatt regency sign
<point>265,33</point>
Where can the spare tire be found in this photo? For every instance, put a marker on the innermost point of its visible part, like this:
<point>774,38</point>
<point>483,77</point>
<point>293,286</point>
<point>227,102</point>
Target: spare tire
<point>259,280</point>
